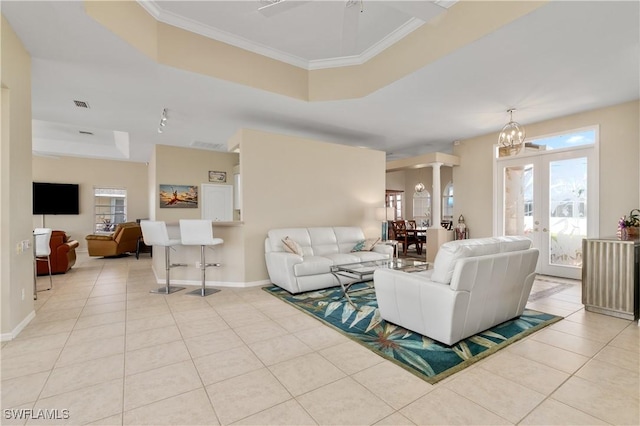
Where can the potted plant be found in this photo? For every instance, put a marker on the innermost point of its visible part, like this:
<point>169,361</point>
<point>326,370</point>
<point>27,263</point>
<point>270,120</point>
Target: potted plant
<point>630,225</point>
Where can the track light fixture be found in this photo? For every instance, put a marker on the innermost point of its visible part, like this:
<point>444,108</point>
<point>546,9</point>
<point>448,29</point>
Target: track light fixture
<point>163,120</point>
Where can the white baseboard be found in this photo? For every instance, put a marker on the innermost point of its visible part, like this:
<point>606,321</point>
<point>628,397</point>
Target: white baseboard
<point>4,337</point>
<point>198,283</point>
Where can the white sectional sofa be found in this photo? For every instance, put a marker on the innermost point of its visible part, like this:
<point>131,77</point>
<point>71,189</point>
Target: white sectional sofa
<point>474,285</point>
<point>321,249</point>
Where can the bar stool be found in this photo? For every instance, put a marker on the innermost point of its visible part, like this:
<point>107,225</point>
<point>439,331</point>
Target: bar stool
<point>42,251</point>
<point>200,233</point>
<point>155,233</point>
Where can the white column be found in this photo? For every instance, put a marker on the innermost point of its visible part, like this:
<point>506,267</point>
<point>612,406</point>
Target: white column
<point>436,199</point>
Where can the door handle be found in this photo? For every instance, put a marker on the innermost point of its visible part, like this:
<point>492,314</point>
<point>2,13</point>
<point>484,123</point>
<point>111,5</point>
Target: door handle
<point>537,222</point>
<point>544,229</point>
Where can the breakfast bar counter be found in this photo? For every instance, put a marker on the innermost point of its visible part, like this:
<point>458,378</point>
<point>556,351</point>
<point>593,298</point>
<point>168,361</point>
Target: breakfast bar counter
<point>230,255</point>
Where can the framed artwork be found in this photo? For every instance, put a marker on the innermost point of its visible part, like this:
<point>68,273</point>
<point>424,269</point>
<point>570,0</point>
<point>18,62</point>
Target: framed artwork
<point>220,177</point>
<point>178,196</point>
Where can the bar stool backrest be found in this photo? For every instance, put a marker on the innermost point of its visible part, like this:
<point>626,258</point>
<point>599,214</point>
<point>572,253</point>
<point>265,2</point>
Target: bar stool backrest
<point>196,232</point>
<point>154,233</point>
<point>43,237</point>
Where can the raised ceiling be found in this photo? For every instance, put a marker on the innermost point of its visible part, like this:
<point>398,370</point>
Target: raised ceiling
<point>559,59</point>
<point>308,34</point>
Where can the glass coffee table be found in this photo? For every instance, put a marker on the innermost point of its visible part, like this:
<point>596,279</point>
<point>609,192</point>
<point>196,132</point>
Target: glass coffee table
<point>354,273</point>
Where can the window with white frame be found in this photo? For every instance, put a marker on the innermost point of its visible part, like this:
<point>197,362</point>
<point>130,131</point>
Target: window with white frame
<point>394,200</point>
<point>110,208</point>
<point>422,207</point>
<point>447,202</point>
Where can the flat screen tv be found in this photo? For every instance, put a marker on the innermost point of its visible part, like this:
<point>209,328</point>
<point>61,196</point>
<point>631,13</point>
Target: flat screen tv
<point>55,198</point>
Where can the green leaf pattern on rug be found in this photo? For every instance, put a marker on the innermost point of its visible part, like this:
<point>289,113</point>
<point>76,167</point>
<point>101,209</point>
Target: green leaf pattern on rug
<point>462,350</point>
<point>490,333</point>
<point>482,341</point>
<point>428,359</point>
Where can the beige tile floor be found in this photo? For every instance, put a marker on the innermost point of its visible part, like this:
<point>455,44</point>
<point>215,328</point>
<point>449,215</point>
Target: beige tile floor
<point>110,353</point>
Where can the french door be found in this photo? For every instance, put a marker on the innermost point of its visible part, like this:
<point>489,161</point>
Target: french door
<point>552,198</point>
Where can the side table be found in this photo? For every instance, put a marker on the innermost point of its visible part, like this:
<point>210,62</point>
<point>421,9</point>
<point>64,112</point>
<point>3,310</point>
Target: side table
<point>141,247</point>
<point>393,243</point>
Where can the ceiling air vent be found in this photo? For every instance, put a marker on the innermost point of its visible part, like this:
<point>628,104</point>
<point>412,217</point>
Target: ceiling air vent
<point>81,104</point>
<point>208,145</point>
<point>83,132</point>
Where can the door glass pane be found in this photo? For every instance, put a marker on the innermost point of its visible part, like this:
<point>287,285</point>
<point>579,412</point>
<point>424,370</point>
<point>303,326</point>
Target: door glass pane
<point>518,200</point>
<point>568,214</point>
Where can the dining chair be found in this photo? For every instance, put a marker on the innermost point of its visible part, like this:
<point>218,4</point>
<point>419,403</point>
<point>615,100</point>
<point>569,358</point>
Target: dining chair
<point>406,237</point>
<point>420,234</point>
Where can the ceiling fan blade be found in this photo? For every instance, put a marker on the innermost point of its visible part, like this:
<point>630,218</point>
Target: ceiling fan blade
<point>423,10</point>
<point>350,23</point>
<point>274,7</point>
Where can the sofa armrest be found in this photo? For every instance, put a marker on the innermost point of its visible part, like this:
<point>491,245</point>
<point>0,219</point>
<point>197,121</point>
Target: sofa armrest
<point>64,248</point>
<point>96,237</point>
<point>280,267</point>
<point>384,249</point>
<point>419,304</point>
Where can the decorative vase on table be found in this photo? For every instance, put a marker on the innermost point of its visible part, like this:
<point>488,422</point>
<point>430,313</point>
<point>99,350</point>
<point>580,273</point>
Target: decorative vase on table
<point>461,229</point>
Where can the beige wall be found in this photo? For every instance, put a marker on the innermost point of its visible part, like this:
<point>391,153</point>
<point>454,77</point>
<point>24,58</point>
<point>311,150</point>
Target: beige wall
<point>406,180</point>
<point>187,166</point>
<point>152,182</point>
<point>165,44</point>
<point>292,182</point>
<point>16,269</point>
<point>286,182</point>
<point>395,180</point>
<point>619,166</point>
<point>89,173</point>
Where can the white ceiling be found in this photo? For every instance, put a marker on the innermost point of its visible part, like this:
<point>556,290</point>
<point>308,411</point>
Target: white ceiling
<point>308,34</point>
<point>563,58</point>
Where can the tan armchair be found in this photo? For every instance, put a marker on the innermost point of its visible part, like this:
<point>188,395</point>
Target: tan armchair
<point>124,239</point>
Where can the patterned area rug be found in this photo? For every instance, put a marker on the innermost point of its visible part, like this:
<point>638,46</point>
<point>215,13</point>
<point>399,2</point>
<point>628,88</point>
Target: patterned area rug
<point>426,358</point>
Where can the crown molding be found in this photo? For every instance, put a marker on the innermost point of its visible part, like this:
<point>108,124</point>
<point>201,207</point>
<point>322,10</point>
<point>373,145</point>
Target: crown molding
<point>392,38</point>
<point>153,8</point>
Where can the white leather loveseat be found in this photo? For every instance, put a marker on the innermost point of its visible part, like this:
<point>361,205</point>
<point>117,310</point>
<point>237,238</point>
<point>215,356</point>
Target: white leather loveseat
<point>321,249</point>
<point>474,285</point>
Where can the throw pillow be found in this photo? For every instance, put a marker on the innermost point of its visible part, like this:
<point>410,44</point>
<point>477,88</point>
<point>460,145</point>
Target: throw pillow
<point>291,246</point>
<point>365,245</point>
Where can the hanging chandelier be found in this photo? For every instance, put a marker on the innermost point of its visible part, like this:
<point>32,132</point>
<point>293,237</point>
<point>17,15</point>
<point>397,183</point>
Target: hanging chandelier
<point>512,135</point>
